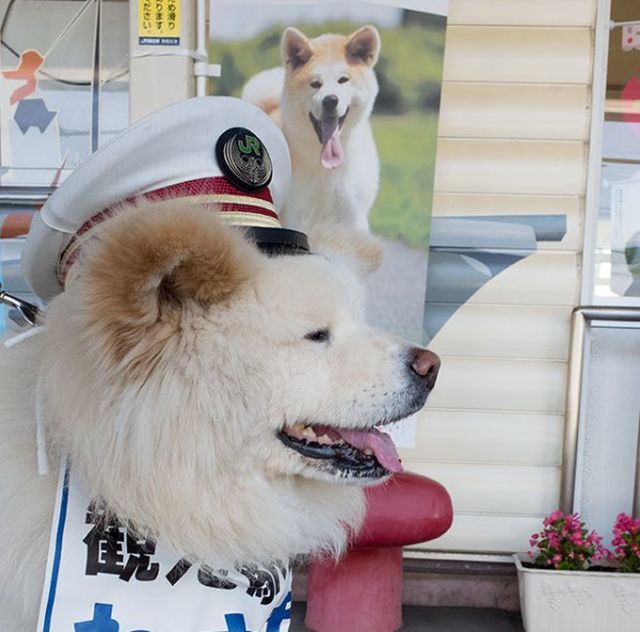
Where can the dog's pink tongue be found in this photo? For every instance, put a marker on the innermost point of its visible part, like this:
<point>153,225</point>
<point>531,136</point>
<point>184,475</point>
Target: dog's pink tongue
<point>381,444</point>
<point>332,154</point>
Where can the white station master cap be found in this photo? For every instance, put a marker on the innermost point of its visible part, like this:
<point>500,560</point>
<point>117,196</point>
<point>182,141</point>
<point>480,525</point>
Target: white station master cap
<point>217,150</point>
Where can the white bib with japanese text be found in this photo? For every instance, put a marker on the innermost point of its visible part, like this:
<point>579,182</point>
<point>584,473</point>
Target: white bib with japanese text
<point>102,579</point>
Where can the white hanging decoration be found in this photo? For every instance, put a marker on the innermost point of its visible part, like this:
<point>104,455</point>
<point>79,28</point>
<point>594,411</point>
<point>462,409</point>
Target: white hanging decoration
<point>631,37</point>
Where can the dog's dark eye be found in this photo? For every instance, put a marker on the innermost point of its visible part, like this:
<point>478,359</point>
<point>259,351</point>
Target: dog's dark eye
<point>321,335</point>
<point>343,79</point>
<point>316,83</point>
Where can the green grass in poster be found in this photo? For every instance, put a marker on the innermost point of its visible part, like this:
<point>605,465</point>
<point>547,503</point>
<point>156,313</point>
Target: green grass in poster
<point>406,145</point>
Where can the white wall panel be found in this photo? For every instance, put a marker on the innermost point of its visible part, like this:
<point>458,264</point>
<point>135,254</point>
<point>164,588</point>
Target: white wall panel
<point>503,385</point>
<point>543,278</point>
<point>471,436</point>
<point>519,55</point>
<point>483,533</point>
<point>473,204</point>
<point>493,110</point>
<point>496,489</point>
<point>509,166</point>
<point>506,331</point>
<point>529,13</point>
<point>513,140</point>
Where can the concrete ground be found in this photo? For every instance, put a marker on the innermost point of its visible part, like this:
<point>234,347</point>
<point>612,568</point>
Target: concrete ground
<point>396,291</point>
<point>422,619</point>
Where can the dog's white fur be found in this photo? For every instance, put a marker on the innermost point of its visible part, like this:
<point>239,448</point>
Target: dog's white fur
<point>318,195</point>
<point>166,386</point>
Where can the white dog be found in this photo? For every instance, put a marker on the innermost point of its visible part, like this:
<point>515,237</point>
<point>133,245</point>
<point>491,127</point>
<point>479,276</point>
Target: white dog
<point>322,97</point>
<point>219,400</point>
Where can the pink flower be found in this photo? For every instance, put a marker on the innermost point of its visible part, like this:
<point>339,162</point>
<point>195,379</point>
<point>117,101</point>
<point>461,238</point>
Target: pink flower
<point>626,540</point>
<point>565,543</point>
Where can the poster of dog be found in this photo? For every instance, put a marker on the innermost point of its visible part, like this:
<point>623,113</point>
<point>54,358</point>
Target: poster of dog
<point>355,88</point>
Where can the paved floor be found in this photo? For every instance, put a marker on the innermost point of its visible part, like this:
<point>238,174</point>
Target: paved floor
<point>441,620</point>
<point>396,291</point>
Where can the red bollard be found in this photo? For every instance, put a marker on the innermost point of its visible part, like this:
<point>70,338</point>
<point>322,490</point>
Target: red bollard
<point>362,592</point>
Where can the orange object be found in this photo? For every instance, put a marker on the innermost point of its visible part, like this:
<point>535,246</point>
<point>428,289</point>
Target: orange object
<point>29,64</point>
<point>15,224</point>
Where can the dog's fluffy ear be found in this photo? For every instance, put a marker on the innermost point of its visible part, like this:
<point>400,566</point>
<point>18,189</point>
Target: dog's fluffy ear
<point>296,48</point>
<point>152,260</point>
<point>360,251</point>
<point>364,45</point>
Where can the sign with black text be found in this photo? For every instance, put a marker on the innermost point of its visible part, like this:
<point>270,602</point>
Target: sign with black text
<point>103,578</point>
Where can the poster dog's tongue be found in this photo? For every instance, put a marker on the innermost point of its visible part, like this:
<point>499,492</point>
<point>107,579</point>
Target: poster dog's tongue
<point>332,154</point>
<point>381,444</point>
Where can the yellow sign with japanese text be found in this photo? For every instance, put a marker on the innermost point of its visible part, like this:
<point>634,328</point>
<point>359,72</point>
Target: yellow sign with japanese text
<point>159,22</point>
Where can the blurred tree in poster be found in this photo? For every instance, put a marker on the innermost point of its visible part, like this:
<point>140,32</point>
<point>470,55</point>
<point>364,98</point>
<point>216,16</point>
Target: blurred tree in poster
<point>409,68</point>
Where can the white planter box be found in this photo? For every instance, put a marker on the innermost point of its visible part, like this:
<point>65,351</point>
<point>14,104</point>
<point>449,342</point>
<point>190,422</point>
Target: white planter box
<point>561,601</point>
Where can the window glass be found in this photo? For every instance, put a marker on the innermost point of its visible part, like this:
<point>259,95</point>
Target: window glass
<point>63,93</point>
<point>64,85</point>
<point>617,256</point>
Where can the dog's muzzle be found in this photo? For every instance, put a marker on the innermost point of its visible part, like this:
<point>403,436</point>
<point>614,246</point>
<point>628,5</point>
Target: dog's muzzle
<point>363,453</point>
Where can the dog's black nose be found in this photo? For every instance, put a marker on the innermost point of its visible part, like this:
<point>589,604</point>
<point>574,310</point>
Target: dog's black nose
<point>330,103</point>
<point>425,364</point>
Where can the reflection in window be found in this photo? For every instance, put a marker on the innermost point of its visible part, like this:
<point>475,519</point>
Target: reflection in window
<point>64,85</point>
<point>617,262</point>
<point>64,80</point>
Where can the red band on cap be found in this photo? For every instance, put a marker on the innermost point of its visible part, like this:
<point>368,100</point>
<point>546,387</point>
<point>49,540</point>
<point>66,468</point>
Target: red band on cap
<point>246,208</point>
<point>205,186</point>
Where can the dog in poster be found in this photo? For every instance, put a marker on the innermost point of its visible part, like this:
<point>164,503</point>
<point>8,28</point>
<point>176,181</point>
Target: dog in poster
<point>322,97</point>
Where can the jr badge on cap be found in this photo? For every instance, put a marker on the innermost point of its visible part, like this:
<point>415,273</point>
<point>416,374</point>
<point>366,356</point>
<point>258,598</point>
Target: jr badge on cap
<point>244,159</point>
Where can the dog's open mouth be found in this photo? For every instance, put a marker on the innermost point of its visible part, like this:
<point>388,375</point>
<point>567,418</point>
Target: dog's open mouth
<point>328,132</point>
<point>348,452</point>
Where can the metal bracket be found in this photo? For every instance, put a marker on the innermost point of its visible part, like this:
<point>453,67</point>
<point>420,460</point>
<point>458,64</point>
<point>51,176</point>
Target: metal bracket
<point>204,69</point>
<point>31,313</point>
<point>636,489</point>
<point>582,318</point>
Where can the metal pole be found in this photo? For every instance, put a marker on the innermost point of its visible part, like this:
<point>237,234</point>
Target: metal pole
<point>598,93</point>
<point>635,511</point>
<point>95,80</point>
<point>201,44</point>
<point>574,388</point>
